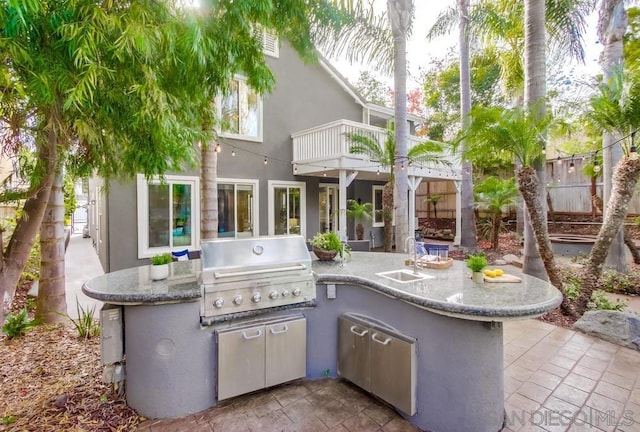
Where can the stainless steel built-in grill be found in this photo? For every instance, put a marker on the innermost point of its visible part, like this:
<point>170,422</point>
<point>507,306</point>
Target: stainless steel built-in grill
<point>240,275</point>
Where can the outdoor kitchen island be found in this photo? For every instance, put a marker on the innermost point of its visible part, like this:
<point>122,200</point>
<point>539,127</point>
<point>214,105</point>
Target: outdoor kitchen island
<point>454,323</point>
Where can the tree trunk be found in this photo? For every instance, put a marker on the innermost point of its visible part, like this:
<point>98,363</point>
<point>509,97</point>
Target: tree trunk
<point>550,207</point>
<point>594,194</point>
<point>387,216</point>
<point>468,237</point>
<point>23,238</point>
<point>596,203</point>
<point>400,15</point>
<point>625,178</point>
<point>209,191</point>
<point>51,300</point>
<point>495,231</point>
<point>612,25</point>
<point>534,92</point>
<point>529,187</point>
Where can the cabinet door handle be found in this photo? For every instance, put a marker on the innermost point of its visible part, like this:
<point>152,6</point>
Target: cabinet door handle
<point>284,330</point>
<point>382,342</point>
<point>353,330</point>
<point>247,337</point>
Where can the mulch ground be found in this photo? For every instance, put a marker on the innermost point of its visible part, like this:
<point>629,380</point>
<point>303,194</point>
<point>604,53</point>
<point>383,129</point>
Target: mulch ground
<point>52,381</point>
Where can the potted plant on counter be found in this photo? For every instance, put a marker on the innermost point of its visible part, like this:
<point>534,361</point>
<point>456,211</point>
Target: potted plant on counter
<point>476,263</point>
<point>160,266</point>
<point>360,212</point>
<point>327,245</point>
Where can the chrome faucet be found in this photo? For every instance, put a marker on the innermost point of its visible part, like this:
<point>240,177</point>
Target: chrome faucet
<point>412,252</point>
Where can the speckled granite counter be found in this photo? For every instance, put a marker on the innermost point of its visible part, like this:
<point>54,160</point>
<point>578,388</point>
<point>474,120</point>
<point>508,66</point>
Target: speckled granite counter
<point>450,292</point>
<point>134,286</point>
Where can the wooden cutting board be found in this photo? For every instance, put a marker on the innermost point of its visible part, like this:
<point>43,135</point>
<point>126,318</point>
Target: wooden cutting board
<point>502,279</point>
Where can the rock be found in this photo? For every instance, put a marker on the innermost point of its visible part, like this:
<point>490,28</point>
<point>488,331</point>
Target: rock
<point>500,262</point>
<point>620,328</point>
<point>513,260</point>
<point>61,401</point>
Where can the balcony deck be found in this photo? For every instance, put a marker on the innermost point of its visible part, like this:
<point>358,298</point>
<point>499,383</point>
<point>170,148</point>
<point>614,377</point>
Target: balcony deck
<point>325,149</point>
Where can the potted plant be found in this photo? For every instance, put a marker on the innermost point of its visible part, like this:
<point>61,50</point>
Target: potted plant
<point>360,212</point>
<point>476,262</point>
<point>160,266</point>
<point>327,245</point>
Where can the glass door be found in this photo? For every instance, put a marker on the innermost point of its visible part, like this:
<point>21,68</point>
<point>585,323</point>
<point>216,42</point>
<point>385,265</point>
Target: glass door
<point>328,208</point>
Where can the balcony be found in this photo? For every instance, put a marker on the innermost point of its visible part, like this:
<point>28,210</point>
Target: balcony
<point>324,150</point>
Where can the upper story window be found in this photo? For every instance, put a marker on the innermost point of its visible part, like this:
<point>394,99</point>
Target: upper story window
<point>270,44</point>
<point>241,112</point>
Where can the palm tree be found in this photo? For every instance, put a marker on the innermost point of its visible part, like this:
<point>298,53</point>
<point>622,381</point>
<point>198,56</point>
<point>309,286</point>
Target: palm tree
<point>385,155</point>
<point>495,196</point>
<point>517,131</point>
<point>616,109</point>
<point>401,17</point>
<point>612,25</point>
<point>468,238</point>
<point>360,212</point>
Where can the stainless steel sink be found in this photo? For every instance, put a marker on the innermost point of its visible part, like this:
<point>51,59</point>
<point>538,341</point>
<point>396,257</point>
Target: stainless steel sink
<point>404,276</point>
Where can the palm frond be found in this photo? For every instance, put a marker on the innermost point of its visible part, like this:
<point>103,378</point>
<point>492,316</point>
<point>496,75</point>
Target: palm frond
<point>364,37</point>
<point>445,23</point>
<point>567,23</point>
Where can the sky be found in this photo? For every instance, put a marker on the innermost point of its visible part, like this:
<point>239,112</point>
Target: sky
<point>420,51</point>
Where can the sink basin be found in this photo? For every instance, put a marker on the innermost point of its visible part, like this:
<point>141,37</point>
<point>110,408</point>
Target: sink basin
<point>404,276</point>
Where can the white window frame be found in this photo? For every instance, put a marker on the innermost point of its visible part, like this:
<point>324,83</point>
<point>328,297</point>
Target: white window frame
<point>242,79</point>
<point>144,251</point>
<point>256,200</point>
<point>375,188</point>
<point>270,43</point>
<point>303,204</point>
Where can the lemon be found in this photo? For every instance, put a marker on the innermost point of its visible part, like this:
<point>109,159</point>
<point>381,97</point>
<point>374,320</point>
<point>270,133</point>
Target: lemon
<point>489,273</point>
<point>498,272</point>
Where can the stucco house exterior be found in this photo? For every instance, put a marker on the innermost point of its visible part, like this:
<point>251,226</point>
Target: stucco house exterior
<point>284,168</point>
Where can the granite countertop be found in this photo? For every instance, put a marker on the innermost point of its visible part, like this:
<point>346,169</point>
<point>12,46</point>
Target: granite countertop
<point>449,291</point>
<point>134,286</point>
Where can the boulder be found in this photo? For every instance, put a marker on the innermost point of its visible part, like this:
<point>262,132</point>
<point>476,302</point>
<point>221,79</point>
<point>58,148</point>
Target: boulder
<point>513,260</point>
<point>620,328</point>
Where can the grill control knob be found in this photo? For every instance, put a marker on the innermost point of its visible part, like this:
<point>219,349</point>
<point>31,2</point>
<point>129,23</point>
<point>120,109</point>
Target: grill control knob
<point>274,295</point>
<point>256,297</point>
<point>237,300</point>
<point>219,302</point>
<point>296,292</point>
<point>285,293</point>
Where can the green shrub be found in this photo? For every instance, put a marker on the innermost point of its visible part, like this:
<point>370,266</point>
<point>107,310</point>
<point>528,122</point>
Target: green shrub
<point>16,326</point>
<point>571,290</point>
<point>164,258</point>
<point>476,262</point>
<point>622,283</point>
<point>599,301</point>
<point>86,325</point>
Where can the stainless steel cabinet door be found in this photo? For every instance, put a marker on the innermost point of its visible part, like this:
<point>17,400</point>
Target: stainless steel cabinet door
<point>393,369</point>
<point>353,352</point>
<point>286,351</point>
<point>241,361</point>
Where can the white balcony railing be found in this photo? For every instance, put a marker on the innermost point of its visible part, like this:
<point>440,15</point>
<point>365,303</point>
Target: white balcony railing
<point>329,141</point>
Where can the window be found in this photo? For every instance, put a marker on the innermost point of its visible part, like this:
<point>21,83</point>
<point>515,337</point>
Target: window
<point>168,214</point>
<point>287,209</point>
<point>377,206</point>
<point>270,44</point>
<point>241,112</point>
<point>237,205</point>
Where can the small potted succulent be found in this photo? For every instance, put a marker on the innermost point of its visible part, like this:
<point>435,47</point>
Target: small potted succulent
<point>476,263</point>
<point>160,266</point>
<point>327,245</point>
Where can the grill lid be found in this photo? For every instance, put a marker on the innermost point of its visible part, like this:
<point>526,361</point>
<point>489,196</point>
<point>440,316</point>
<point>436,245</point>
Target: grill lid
<point>255,255</point>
